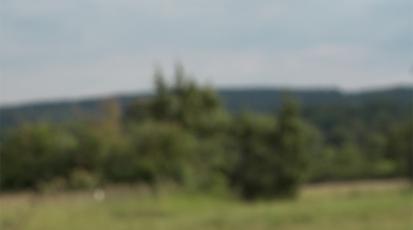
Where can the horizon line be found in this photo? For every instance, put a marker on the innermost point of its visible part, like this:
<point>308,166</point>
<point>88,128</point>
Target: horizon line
<point>146,92</point>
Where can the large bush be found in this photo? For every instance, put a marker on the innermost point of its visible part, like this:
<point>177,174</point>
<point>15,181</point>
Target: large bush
<point>157,152</point>
<point>33,154</point>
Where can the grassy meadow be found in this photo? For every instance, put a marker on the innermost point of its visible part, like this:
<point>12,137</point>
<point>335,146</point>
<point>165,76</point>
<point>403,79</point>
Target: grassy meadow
<point>357,205</point>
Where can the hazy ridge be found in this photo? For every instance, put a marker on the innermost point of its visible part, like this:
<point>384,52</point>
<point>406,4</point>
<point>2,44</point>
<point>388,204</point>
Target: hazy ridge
<point>265,100</point>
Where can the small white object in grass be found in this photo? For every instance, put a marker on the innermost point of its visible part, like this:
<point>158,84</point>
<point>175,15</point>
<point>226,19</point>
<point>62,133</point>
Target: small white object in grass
<point>99,195</point>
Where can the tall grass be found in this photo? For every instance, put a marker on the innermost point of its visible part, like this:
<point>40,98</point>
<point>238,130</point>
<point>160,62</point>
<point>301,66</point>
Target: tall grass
<point>367,205</point>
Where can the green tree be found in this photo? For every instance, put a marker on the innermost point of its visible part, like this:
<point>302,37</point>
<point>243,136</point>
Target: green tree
<point>254,172</point>
<point>163,152</point>
<point>400,148</point>
<point>35,154</point>
<point>291,147</point>
<point>273,153</point>
<point>184,103</point>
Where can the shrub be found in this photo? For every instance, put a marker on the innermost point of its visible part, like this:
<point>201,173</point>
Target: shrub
<point>82,179</point>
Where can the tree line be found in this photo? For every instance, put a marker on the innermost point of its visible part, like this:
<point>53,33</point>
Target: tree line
<point>183,135</point>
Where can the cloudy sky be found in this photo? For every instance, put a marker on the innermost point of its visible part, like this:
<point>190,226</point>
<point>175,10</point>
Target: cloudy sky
<point>54,49</point>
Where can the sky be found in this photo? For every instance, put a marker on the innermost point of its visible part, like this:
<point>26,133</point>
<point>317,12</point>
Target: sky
<point>55,49</point>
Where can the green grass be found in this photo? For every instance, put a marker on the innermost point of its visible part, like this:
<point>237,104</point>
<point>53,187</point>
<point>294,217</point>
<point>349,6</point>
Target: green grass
<point>367,205</point>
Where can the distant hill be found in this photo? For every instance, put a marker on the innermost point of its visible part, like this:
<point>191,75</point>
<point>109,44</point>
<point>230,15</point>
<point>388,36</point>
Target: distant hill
<point>319,105</point>
<point>266,100</point>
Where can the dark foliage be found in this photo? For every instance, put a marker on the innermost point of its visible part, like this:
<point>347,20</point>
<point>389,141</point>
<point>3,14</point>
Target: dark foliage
<point>185,135</point>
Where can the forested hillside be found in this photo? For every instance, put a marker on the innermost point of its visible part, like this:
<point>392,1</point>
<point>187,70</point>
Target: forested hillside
<point>328,103</point>
<point>256,143</point>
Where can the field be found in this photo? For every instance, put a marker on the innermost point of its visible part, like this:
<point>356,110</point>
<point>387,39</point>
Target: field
<point>358,205</point>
